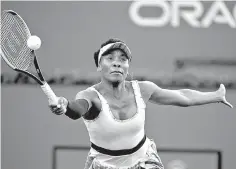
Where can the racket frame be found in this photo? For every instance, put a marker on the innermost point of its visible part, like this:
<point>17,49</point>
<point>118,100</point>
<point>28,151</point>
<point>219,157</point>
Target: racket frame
<point>44,85</point>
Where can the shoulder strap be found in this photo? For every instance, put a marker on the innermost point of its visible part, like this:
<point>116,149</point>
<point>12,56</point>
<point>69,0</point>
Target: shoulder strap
<point>138,95</point>
<point>103,100</point>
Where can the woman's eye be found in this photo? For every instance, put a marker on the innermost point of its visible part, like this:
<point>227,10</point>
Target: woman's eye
<point>123,59</point>
<point>109,58</point>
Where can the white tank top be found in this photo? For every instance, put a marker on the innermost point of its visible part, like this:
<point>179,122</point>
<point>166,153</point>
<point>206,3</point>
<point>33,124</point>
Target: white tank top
<point>108,132</point>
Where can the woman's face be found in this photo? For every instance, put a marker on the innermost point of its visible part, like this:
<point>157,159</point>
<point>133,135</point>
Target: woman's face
<point>114,66</point>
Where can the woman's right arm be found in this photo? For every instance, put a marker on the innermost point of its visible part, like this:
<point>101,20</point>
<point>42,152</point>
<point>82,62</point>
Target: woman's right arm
<point>74,109</point>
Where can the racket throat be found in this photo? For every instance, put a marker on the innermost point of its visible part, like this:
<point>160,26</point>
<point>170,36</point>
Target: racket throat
<point>38,69</point>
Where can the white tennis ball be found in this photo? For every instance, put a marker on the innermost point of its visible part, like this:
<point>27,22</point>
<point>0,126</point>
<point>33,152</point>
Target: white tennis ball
<point>34,42</point>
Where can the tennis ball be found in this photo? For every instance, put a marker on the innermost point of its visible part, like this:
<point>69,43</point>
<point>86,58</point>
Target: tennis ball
<point>34,42</point>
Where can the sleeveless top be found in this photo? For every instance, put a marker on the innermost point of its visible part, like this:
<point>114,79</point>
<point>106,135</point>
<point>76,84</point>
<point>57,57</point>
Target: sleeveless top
<point>111,133</point>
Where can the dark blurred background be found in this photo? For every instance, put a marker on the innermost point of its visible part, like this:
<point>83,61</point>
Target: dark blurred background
<point>174,44</point>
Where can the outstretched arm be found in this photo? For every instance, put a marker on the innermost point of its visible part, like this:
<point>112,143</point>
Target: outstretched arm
<point>186,97</point>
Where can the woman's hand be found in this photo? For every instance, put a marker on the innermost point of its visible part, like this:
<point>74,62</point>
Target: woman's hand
<point>61,107</point>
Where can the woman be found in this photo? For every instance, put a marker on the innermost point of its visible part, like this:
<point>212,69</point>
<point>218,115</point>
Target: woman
<point>114,111</point>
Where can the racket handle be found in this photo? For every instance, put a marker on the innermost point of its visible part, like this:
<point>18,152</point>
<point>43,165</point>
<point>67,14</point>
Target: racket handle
<point>49,93</point>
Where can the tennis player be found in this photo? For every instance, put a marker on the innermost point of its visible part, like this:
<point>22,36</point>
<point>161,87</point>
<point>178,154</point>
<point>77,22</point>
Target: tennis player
<point>114,111</point>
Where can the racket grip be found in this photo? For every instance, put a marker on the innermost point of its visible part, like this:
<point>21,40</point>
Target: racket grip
<point>49,93</point>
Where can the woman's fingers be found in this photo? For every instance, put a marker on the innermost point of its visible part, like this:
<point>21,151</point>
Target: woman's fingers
<point>60,108</point>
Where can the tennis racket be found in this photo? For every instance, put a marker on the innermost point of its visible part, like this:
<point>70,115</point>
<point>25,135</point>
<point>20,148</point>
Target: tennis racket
<point>16,53</point>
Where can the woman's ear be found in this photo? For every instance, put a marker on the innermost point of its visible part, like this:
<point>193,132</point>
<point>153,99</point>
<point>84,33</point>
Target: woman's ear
<point>99,68</point>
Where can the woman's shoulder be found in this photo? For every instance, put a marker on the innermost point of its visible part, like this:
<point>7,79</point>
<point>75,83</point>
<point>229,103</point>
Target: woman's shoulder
<point>146,87</point>
<point>87,93</point>
<point>146,84</point>
<point>143,84</point>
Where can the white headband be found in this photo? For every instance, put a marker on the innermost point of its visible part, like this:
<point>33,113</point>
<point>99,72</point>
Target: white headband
<point>118,45</point>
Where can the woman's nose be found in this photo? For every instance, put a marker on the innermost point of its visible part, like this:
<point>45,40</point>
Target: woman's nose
<point>116,64</point>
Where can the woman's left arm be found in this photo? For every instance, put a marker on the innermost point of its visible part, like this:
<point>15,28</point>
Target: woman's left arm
<point>185,97</point>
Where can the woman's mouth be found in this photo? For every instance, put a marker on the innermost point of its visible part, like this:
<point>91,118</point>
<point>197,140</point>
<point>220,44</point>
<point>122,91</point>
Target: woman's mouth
<point>116,72</point>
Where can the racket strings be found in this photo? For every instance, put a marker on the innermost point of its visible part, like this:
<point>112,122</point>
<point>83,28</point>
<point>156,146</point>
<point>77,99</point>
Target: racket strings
<point>14,42</point>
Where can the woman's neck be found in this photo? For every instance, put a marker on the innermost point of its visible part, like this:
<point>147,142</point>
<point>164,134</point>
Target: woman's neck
<point>116,89</point>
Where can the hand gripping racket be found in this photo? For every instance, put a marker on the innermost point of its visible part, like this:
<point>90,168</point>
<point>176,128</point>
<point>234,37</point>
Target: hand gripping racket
<point>16,53</point>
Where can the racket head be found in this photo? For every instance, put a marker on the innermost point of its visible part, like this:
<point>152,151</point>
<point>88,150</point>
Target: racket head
<point>14,36</point>
<point>16,53</point>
